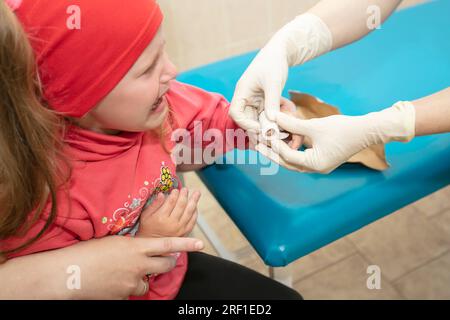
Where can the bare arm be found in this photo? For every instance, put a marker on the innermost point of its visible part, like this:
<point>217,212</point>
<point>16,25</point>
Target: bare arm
<point>116,273</point>
<point>433,113</point>
<point>348,19</point>
<point>37,276</point>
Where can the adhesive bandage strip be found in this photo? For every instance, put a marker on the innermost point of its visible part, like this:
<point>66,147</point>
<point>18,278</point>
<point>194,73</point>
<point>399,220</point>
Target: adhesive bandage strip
<point>269,129</point>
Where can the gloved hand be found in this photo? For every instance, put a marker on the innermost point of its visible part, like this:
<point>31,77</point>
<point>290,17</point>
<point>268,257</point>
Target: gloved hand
<point>337,138</point>
<point>260,87</point>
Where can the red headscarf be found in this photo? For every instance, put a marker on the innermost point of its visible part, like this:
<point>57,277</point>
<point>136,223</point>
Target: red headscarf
<point>78,62</point>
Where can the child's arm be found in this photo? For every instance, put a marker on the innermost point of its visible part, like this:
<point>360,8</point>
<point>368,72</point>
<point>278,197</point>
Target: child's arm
<point>174,216</point>
<point>203,117</point>
<point>294,141</point>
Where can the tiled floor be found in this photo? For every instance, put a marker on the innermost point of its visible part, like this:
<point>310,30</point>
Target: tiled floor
<point>411,247</point>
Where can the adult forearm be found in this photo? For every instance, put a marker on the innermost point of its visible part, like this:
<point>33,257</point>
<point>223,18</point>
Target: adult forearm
<point>433,113</point>
<point>350,20</point>
<point>36,276</point>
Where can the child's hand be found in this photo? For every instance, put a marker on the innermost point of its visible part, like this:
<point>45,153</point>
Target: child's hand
<point>174,216</point>
<point>287,106</point>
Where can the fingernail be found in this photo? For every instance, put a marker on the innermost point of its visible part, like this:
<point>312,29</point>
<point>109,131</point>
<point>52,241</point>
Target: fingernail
<point>199,245</point>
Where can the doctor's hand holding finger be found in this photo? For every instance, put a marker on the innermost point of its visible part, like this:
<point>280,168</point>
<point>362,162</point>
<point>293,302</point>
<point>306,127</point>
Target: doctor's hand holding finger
<point>336,139</point>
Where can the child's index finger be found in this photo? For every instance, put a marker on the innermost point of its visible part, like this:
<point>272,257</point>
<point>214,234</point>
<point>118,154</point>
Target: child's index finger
<point>296,141</point>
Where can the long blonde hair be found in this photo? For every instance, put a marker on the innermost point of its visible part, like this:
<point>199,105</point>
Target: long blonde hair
<point>31,142</point>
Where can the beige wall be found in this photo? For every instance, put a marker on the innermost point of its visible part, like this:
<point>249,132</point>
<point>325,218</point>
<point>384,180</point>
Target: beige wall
<point>203,31</point>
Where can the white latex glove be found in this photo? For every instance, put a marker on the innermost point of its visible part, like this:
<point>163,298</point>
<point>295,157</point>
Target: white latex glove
<point>336,139</point>
<point>260,87</point>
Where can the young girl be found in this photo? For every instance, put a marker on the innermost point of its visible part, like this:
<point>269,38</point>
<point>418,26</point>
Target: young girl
<point>97,161</point>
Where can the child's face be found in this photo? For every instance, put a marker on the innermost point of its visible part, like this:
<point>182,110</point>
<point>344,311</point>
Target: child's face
<point>138,102</point>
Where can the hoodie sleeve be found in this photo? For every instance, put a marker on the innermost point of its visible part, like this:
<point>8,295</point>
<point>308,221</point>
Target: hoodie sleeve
<point>204,117</point>
<point>63,232</point>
